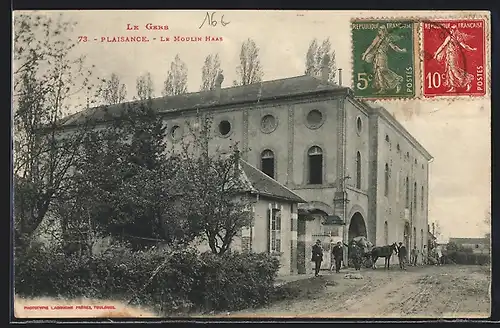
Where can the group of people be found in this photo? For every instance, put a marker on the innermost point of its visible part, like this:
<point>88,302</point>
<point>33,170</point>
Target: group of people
<point>337,255</point>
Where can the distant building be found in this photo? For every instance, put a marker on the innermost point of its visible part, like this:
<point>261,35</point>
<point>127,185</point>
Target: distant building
<point>478,245</point>
<point>360,171</point>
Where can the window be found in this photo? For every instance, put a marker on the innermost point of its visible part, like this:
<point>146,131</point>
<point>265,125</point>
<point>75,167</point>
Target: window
<point>407,186</point>
<point>422,199</point>
<point>387,138</point>
<point>415,195</point>
<point>359,124</point>
<point>398,148</point>
<point>224,128</point>
<point>275,236</point>
<point>315,160</point>
<point>386,180</point>
<point>268,123</point>
<point>176,132</point>
<point>416,163</point>
<point>314,119</point>
<point>358,170</point>
<point>267,162</point>
<point>386,233</point>
<point>407,155</point>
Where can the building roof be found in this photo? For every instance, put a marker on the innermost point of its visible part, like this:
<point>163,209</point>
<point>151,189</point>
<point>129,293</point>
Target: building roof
<point>244,94</point>
<point>473,241</point>
<point>264,185</point>
<point>255,92</point>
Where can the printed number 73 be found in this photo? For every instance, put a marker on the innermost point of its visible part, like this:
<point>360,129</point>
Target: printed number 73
<point>363,80</point>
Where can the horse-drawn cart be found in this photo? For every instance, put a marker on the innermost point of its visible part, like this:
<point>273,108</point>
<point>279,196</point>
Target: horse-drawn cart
<point>360,246</point>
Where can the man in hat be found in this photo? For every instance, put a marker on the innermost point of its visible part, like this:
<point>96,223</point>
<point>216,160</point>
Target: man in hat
<point>317,257</point>
<point>338,254</point>
<point>402,254</point>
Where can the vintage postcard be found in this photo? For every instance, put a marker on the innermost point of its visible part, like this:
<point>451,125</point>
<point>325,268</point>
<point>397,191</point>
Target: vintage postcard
<point>250,164</point>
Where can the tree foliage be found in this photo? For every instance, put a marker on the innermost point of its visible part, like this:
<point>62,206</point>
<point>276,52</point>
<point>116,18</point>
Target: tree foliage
<point>46,76</point>
<point>176,81</point>
<point>145,87</point>
<point>214,190</point>
<point>113,91</point>
<point>315,56</point>
<point>211,69</point>
<point>250,69</point>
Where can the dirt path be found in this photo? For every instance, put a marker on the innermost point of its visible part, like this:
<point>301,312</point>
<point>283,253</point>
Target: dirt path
<point>438,292</point>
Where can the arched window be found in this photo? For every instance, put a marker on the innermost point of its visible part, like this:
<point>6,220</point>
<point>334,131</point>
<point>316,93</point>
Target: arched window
<point>415,195</point>
<point>407,186</point>
<point>315,161</point>
<point>358,170</point>
<point>267,162</point>
<point>386,180</point>
<point>386,233</point>
<point>422,199</point>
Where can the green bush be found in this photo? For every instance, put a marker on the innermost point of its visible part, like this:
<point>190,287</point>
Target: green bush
<point>185,280</point>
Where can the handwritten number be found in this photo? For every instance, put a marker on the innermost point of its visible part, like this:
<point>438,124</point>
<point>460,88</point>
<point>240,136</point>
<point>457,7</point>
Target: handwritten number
<point>211,20</point>
<point>82,39</point>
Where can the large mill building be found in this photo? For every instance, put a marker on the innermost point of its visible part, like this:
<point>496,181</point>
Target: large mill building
<point>357,167</point>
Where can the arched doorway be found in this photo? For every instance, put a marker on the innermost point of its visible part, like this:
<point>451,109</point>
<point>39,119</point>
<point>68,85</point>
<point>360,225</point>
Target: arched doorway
<point>357,226</point>
<point>406,236</point>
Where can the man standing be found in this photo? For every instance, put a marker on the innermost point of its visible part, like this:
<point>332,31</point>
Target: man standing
<point>414,256</point>
<point>439,255</point>
<point>402,254</point>
<point>317,257</point>
<point>338,254</point>
<point>424,255</point>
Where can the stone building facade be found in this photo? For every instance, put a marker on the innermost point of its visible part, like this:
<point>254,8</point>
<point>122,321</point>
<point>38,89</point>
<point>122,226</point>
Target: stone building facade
<point>359,170</point>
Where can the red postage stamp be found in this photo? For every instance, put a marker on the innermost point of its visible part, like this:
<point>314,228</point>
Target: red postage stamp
<point>454,58</point>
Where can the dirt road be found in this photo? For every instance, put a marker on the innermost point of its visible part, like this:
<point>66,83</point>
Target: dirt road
<point>423,292</point>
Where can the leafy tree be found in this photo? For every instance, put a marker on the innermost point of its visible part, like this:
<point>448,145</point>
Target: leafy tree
<point>213,190</point>
<point>145,87</point>
<point>176,81</point>
<point>250,70</point>
<point>46,76</point>
<point>113,91</point>
<point>210,71</point>
<point>314,58</point>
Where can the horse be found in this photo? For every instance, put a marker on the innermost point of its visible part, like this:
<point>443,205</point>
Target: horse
<point>383,251</point>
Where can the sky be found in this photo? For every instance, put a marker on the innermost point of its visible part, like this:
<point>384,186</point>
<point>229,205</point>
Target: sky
<point>455,131</point>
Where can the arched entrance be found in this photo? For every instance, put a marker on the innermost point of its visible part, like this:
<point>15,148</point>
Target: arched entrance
<point>357,226</point>
<point>406,236</point>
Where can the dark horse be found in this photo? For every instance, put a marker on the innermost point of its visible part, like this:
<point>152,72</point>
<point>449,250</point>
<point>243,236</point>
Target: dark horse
<point>383,251</point>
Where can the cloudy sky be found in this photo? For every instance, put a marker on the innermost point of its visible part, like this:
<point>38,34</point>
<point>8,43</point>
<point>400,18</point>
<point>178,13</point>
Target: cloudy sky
<point>456,132</point>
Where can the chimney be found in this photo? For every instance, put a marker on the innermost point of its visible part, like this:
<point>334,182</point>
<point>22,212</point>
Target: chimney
<point>340,77</point>
<point>218,83</point>
<point>325,68</point>
<point>433,229</point>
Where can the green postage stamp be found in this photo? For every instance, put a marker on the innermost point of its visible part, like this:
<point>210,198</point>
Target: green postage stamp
<point>384,58</point>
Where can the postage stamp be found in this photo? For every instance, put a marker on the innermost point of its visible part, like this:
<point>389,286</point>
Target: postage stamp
<point>383,61</point>
<point>454,62</point>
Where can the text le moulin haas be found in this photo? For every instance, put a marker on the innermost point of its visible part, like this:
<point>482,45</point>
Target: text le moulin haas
<point>152,27</point>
